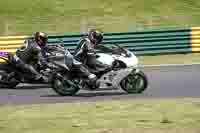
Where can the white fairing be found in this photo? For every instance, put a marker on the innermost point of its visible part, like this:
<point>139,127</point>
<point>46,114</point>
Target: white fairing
<point>105,58</point>
<point>108,59</point>
<point>129,61</point>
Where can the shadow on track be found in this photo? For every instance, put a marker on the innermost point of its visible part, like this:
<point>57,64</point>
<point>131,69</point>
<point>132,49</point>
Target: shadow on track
<point>92,94</point>
<point>97,94</point>
<point>28,87</point>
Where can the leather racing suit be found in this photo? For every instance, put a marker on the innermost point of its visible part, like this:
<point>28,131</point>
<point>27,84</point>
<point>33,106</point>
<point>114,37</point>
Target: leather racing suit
<point>29,56</point>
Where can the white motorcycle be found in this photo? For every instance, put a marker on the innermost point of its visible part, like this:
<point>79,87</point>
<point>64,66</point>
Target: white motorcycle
<point>123,74</point>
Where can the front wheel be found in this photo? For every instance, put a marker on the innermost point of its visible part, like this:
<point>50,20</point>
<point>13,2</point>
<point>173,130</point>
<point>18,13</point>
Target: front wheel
<point>135,82</point>
<point>63,86</point>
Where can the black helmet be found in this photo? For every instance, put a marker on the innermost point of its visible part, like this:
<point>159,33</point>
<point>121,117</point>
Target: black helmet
<point>41,38</point>
<point>95,36</point>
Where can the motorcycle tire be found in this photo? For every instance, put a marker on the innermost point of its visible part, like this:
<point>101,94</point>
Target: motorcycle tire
<point>4,83</point>
<point>135,83</point>
<point>64,87</point>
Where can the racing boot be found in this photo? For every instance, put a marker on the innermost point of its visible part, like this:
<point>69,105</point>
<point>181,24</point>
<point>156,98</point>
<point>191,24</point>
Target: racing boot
<point>93,82</point>
<point>39,79</point>
<point>10,76</point>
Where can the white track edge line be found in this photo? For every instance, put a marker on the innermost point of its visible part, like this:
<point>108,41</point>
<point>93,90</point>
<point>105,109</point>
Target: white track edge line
<point>166,65</point>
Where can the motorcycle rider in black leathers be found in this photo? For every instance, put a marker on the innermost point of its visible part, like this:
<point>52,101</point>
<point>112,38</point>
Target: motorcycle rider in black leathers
<point>31,53</point>
<point>88,44</point>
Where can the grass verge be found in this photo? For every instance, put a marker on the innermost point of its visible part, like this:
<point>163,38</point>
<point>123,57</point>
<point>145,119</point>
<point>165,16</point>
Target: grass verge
<point>63,16</point>
<point>126,116</point>
<point>170,59</point>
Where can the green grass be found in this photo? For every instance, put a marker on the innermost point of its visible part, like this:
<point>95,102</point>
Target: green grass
<point>170,59</point>
<point>64,16</point>
<point>126,116</point>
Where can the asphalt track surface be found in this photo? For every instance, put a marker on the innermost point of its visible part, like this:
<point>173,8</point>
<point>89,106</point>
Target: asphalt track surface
<point>164,82</point>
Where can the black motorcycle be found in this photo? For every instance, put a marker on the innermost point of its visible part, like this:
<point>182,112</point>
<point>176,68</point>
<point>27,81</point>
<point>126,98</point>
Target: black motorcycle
<point>58,67</point>
<point>11,75</point>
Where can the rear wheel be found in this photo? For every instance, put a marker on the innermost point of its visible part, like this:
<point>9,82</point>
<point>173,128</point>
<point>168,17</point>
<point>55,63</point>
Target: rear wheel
<point>7,82</point>
<point>135,82</point>
<point>63,86</point>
